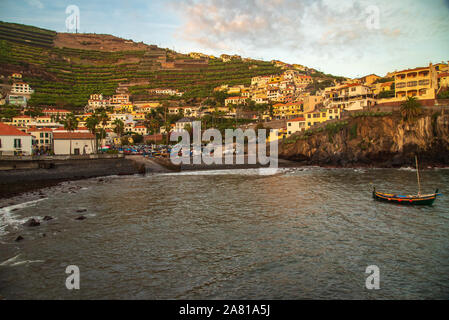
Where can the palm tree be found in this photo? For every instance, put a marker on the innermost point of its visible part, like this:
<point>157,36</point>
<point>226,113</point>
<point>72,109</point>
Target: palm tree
<point>104,118</point>
<point>91,123</point>
<point>119,127</point>
<point>410,109</point>
<point>70,124</point>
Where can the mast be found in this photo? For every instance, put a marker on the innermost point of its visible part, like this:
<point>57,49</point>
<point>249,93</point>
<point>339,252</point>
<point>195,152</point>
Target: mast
<point>417,174</point>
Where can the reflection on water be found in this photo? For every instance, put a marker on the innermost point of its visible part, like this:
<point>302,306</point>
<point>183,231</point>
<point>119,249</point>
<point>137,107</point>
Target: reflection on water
<point>302,233</point>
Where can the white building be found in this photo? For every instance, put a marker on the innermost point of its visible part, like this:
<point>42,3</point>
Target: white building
<point>295,125</point>
<point>180,124</point>
<point>21,88</point>
<point>14,142</point>
<point>81,143</point>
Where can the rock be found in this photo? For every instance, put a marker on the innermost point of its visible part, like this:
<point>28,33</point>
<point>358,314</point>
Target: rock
<point>81,218</point>
<point>48,218</point>
<point>32,223</point>
<point>81,210</point>
<point>19,238</point>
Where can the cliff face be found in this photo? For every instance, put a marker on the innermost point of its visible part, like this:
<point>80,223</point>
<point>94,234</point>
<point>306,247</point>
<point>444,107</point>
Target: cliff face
<point>374,141</point>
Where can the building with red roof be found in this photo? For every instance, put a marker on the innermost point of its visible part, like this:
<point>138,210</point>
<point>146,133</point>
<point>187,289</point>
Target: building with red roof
<point>13,141</point>
<point>76,143</point>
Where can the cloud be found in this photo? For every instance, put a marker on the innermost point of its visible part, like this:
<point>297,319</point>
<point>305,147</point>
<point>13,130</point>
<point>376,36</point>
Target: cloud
<point>35,3</point>
<point>256,24</point>
<point>320,32</point>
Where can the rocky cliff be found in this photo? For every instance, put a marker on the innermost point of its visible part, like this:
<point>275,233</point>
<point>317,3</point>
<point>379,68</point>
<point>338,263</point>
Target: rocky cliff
<point>376,140</point>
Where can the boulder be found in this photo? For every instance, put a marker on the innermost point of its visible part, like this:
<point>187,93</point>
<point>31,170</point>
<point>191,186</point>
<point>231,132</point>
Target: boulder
<point>32,223</point>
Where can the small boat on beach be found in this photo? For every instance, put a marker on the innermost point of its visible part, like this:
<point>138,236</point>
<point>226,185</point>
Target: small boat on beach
<point>418,199</point>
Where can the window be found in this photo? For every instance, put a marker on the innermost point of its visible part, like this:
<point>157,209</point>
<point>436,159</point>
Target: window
<point>46,135</point>
<point>17,143</point>
<point>42,135</point>
<point>323,114</point>
<point>289,124</point>
<point>0,143</point>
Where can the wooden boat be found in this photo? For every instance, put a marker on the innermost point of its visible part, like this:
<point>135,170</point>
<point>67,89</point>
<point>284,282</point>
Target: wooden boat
<point>419,199</point>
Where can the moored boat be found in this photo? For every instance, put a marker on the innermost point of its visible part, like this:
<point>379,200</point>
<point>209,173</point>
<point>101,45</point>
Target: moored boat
<point>426,199</point>
<point>419,199</point>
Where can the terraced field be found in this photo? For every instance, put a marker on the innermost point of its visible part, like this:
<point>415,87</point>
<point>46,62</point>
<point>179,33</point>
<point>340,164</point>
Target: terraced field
<point>67,76</point>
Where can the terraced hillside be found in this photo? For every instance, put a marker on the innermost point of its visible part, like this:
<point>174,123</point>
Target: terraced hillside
<point>66,77</point>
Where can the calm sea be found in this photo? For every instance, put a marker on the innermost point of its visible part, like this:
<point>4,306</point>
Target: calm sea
<point>232,234</point>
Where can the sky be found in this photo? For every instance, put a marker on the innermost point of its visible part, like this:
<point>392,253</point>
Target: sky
<point>349,38</point>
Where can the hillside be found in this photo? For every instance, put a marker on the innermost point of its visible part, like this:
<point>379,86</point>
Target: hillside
<point>373,139</point>
<point>64,69</point>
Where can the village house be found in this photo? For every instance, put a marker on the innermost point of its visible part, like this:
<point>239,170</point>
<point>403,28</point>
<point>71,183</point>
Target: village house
<point>369,79</point>
<point>421,83</point>
<point>315,117</point>
<point>80,142</point>
<point>14,141</point>
<point>296,125</point>
<point>182,123</point>
<point>235,100</point>
<point>97,101</point>
<point>119,99</point>
<point>17,100</point>
<point>351,97</point>
<point>42,138</point>
<point>22,121</point>
<point>56,113</point>
<point>142,130</point>
<point>21,88</point>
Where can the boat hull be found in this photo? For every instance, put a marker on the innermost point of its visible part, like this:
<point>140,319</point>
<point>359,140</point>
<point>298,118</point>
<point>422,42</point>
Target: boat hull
<point>405,200</point>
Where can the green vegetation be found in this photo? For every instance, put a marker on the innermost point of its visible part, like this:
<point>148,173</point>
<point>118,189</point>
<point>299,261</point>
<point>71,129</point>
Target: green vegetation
<point>410,109</point>
<point>383,80</point>
<point>66,77</point>
<point>386,94</point>
<point>443,94</point>
<point>353,131</point>
<point>7,112</point>
<point>333,128</point>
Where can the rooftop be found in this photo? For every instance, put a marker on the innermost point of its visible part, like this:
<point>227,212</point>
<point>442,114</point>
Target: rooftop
<point>6,130</point>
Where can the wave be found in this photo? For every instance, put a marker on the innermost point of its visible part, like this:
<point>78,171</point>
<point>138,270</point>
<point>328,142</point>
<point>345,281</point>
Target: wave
<point>12,262</point>
<point>9,218</point>
<point>251,172</point>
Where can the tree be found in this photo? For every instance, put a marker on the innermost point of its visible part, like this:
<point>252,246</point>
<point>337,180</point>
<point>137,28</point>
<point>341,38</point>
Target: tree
<point>70,124</point>
<point>119,127</point>
<point>104,118</point>
<point>411,109</point>
<point>91,123</point>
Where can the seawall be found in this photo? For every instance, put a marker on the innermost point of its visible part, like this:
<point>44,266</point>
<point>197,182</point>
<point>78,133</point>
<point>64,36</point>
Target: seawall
<point>34,174</point>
